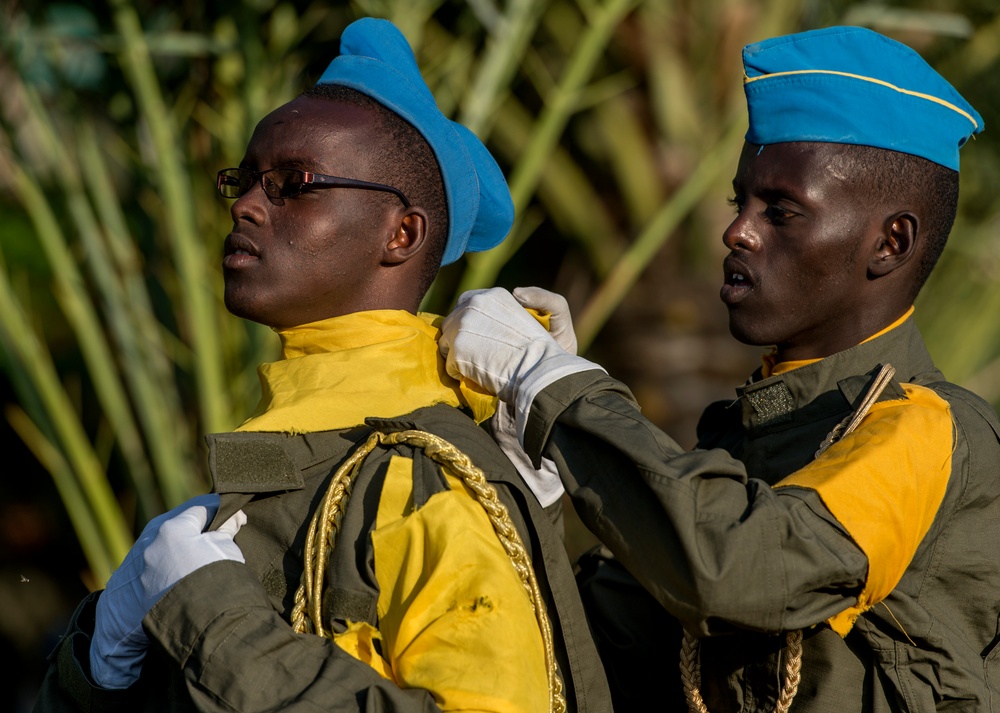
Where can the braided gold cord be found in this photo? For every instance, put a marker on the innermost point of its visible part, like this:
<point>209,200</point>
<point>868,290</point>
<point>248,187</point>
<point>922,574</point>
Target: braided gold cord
<point>793,671</point>
<point>691,674</point>
<point>307,614</point>
<point>851,421</point>
<point>690,665</point>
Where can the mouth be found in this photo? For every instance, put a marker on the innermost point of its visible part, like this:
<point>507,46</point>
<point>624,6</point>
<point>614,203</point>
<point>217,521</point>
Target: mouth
<point>738,282</point>
<point>239,252</point>
<point>737,279</point>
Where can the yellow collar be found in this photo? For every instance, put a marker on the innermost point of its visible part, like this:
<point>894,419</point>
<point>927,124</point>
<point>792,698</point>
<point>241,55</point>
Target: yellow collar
<point>337,372</point>
<point>771,367</point>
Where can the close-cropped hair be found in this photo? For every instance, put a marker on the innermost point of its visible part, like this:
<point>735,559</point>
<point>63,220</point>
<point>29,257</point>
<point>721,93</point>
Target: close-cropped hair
<point>892,178</point>
<point>405,161</point>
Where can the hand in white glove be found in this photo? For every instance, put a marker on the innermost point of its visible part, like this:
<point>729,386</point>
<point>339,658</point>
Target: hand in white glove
<point>554,305</point>
<point>543,481</point>
<point>490,339</point>
<point>170,547</point>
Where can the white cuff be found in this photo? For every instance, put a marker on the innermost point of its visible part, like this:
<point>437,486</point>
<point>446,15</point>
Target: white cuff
<point>554,367</point>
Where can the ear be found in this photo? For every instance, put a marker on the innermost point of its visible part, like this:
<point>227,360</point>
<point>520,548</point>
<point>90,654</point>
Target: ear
<point>898,244</point>
<point>408,238</point>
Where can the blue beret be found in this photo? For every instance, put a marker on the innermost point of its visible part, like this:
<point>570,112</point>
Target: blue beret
<point>375,59</point>
<point>850,85</point>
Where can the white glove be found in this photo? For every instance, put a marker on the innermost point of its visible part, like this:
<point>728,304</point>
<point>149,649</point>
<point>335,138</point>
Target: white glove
<point>170,547</point>
<point>543,481</point>
<point>490,339</point>
<point>554,305</point>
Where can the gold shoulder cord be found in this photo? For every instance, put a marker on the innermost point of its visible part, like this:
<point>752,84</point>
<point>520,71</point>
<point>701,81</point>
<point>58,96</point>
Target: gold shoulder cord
<point>690,662</point>
<point>690,665</point>
<point>307,614</point>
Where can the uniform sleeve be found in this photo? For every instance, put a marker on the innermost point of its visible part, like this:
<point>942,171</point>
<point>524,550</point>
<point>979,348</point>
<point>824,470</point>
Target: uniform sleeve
<point>719,549</point>
<point>454,616</point>
<point>67,685</point>
<point>885,486</point>
<point>237,653</point>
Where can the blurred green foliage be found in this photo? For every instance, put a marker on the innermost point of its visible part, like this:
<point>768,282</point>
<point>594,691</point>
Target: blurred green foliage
<point>618,123</point>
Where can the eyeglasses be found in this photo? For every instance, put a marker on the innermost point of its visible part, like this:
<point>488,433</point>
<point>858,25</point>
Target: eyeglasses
<point>289,182</point>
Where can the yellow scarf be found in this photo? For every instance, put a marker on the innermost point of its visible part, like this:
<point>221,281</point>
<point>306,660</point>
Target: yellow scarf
<point>337,372</point>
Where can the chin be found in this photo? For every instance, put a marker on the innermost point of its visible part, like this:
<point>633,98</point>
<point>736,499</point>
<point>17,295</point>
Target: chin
<point>746,334</point>
<point>233,306</point>
<point>241,309</point>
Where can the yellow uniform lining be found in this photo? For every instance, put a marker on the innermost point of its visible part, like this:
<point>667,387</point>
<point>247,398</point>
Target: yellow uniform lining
<point>884,483</point>
<point>454,617</point>
<point>335,373</point>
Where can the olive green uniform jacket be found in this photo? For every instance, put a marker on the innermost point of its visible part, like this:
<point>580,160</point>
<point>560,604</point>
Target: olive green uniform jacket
<point>738,562</point>
<point>221,639</point>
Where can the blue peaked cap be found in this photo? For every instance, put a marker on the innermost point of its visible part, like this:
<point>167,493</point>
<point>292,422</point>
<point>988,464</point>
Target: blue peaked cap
<point>850,85</point>
<point>375,59</point>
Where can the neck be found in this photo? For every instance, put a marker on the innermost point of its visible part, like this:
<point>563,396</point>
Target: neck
<point>784,359</point>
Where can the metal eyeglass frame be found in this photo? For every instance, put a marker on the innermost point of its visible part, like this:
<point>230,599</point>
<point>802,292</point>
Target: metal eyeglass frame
<point>308,181</point>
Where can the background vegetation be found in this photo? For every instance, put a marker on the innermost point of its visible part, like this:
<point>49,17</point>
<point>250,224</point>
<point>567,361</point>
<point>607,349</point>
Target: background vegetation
<point>618,123</point>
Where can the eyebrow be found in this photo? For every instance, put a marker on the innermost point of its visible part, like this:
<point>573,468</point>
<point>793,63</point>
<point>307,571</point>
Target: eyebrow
<point>300,164</point>
<point>772,194</point>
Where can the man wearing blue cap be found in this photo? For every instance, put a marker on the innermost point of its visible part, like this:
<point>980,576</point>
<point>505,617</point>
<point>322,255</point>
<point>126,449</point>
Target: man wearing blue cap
<point>367,546</point>
<point>831,545</point>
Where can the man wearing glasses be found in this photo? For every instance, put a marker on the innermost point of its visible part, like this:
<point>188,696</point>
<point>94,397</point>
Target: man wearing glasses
<point>349,559</point>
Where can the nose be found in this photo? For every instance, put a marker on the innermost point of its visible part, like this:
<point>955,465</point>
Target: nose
<point>250,206</point>
<point>741,233</point>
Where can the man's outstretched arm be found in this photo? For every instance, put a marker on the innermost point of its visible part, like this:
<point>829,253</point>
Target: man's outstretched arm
<point>717,547</point>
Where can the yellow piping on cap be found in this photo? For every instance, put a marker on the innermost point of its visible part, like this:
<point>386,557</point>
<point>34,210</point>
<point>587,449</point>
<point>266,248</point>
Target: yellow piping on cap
<point>928,97</point>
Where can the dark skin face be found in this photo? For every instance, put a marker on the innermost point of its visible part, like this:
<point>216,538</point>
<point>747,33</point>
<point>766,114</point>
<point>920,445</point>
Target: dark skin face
<point>327,252</point>
<point>814,266</point>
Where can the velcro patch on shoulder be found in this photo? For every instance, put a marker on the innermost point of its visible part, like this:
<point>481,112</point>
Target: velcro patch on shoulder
<point>773,404</point>
<point>251,463</point>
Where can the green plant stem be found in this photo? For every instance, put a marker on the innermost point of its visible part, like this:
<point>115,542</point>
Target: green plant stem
<point>101,562</point>
<point>79,309</point>
<point>35,366</point>
<point>560,105</point>
<point>194,284</point>
<point>566,192</point>
<point>505,50</point>
<point>638,257</point>
<point>134,325</point>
